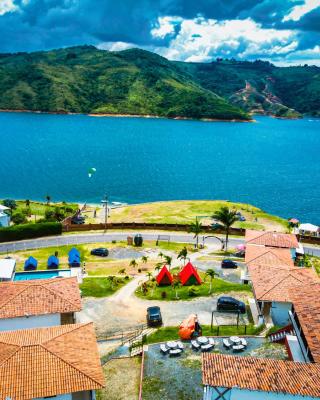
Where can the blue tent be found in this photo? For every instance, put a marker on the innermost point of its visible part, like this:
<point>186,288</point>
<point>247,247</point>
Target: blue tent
<point>53,262</point>
<point>30,264</point>
<point>74,258</point>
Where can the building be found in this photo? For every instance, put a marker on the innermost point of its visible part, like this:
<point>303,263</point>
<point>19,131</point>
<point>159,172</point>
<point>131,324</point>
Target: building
<point>60,362</point>
<point>4,217</point>
<point>227,377</point>
<point>38,303</point>
<point>7,269</point>
<point>308,230</point>
<point>272,286</point>
<point>268,255</point>
<point>271,239</point>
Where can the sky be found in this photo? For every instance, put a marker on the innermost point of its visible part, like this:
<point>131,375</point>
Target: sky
<point>284,32</point>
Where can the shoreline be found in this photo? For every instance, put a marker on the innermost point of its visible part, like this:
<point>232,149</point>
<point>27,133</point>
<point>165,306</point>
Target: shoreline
<point>179,118</point>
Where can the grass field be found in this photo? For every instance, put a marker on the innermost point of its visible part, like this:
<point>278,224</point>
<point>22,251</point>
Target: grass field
<point>190,292</point>
<point>101,287</point>
<point>185,212</point>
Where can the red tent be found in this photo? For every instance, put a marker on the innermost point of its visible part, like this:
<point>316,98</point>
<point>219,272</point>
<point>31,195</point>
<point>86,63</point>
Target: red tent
<point>189,275</point>
<point>164,277</point>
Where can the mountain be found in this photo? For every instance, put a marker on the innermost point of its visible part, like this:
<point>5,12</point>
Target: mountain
<point>87,80</point>
<point>260,86</point>
<point>84,79</point>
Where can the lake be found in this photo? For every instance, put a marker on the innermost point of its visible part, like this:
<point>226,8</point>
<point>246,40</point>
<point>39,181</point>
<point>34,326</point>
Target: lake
<point>273,164</point>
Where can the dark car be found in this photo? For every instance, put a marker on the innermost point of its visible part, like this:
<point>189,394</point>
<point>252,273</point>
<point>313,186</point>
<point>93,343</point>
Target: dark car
<point>101,252</point>
<point>228,264</point>
<point>78,220</point>
<point>154,317</point>
<point>230,304</point>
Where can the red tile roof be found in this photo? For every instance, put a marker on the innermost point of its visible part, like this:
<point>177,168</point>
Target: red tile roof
<point>268,255</point>
<point>39,296</point>
<point>306,302</point>
<point>275,284</point>
<point>259,374</point>
<point>273,239</point>
<point>49,361</point>
<point>187,272</point>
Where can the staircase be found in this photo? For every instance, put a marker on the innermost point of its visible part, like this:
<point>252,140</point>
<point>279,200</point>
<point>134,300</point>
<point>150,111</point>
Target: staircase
<point>280,335</point>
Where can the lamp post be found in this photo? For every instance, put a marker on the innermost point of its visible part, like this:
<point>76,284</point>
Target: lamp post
<point>105,205</point>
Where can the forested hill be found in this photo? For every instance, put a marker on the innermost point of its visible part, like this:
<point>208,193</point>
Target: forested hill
<point>84,79</point>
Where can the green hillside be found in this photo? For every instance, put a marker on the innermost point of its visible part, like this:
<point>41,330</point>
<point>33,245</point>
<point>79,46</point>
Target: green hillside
<point>87,80</point>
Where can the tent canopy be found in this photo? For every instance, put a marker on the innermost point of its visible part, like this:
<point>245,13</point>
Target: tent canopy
<point>187,327</point>
<point>164,277</point>
<point>189,275</point>
<point>31,261</point>
<point>53,260</point>
<point>308,227</point>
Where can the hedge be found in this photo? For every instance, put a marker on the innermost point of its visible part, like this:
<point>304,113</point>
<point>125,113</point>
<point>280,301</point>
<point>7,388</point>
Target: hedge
<point>29,231</point>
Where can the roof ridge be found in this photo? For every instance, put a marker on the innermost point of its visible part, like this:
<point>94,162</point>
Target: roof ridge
<point>76,327</point>
<point>14,296</point>
<point>278,283</point>
<point>11,355</point>
<point>58,294</point>
<point>256,237</point>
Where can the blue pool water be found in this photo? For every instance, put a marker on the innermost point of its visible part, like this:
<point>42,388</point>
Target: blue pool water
<point>27,276</point>
<point>273,164</point>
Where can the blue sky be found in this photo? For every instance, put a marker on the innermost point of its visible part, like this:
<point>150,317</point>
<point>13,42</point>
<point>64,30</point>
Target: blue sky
<point>284,32</point>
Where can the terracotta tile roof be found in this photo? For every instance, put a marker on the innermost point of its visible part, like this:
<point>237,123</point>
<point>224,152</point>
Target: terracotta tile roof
<point>268,255</point>
<point>261,374</point>
<point>39,296</point>
<point>46,362</point>
<point>306,302</point>
<point>275,284</point>
<point>273,239</point>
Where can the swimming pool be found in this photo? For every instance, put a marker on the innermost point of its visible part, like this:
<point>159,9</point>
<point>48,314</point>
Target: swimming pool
<point>27,276</point>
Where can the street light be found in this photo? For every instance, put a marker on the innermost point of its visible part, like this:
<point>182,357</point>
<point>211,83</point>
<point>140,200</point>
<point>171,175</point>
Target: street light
<point>104,202</point>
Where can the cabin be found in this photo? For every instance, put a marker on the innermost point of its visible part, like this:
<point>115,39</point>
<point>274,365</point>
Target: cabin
<point>189,276</point>
<point>272,286</point>
<point>53,262</point>
<point>60,363</point>
<point>227,377</point>
<point>74,258</point>
<point>164,278</point>
<point>30,264</point>
<point>38,303</point>
<point>7,269</point>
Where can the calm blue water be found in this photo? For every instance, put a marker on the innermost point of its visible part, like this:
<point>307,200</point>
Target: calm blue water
<point>27,276</point>
<point>274,164</point>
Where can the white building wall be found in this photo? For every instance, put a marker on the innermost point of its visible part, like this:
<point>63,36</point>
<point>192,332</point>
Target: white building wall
<point>279,313</point>
<point>37,321</point>
<point>4,219</point>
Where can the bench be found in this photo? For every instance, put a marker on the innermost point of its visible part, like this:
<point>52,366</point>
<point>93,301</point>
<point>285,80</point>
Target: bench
<point>180,345</point>
<point>226,343</point>
<point>163,348</point>
<point>238,347</point>
<point>195,344</point>
<point>206,347</point>
<point>244,342</point>
<point>175,352</point>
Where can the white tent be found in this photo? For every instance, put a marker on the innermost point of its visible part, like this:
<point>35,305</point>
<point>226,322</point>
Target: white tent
<point>7,269</point>
<point>308,228</point>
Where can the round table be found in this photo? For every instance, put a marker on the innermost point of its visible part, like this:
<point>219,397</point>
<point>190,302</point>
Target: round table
<point>202,340</point>
<point>235,339</point>
<point>172,345</point>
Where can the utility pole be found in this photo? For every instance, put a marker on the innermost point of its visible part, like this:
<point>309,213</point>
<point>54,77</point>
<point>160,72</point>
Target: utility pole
<point>105,204</point>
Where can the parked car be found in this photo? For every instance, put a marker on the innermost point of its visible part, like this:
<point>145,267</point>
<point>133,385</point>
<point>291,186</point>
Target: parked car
<point>240,253</point>
<point>101,252</point>
<point>78,220</point>
<point>226,303</point>
<point>242,218</point>
<point>154,317</point>
<point>227,263</point>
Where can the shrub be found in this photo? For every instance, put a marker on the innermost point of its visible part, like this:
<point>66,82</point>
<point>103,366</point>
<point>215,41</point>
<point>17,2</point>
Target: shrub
<point>139,270</point>
<point>19,218</point>
<point>192,291</point>
<point>114,241</point>
<point>163,295</point>
<point>126,277</point>
<point>29,231</point>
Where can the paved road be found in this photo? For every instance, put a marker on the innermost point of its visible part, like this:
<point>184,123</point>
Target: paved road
<point>108,237</point>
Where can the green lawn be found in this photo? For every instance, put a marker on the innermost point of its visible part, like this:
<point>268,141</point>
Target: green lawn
<point>190,292</point>
<point>171,332</point>
<point>101,287</point>
<point>39,208</point>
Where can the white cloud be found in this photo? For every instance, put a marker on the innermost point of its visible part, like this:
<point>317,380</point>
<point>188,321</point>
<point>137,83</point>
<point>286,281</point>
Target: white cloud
<point>7,6</point>
<point>204,39</point>
<point>165,26</point>
<point>116,46</point>
<point>299,11</point>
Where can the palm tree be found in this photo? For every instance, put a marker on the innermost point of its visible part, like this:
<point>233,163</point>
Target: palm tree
<point>176,285</point>
<point>211,273</point>
<point>227,218</point>
<point>149,275</point>
<point>196,228</point>
<point>111,279</point>
<point>183,255</point>
<point>48,198</point>
<point>122,271</point>
<point>168,261</point>
<point>160,254</point>
<point>133,263</point>
<point>144,259</point>
<point>158,267</point>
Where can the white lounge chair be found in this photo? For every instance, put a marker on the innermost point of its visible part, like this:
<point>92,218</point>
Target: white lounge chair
<point>207,347</point>
<point>175,352</point>
<point>238,347</point>
<point>226,343</point>
<point>164,348</point>
<point>195,344</point>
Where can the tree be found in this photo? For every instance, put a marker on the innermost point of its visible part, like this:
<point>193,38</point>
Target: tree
<point>111,279</point>
<point>18,218</point>
<point>122,271</point>
<point>160,255</point>
<point>149,275</point>
<point>133,263</point>
<point>144,259</point>
<point>48,198</point>
<point>168,261</point>
<point>227,218</point>
<point>158,267</point>
<point>10,204</point>
<point>211,273</point>
<point>196,228</point>
<point>175,286</point>
<point>27,203</point>
<point>183,254</point>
